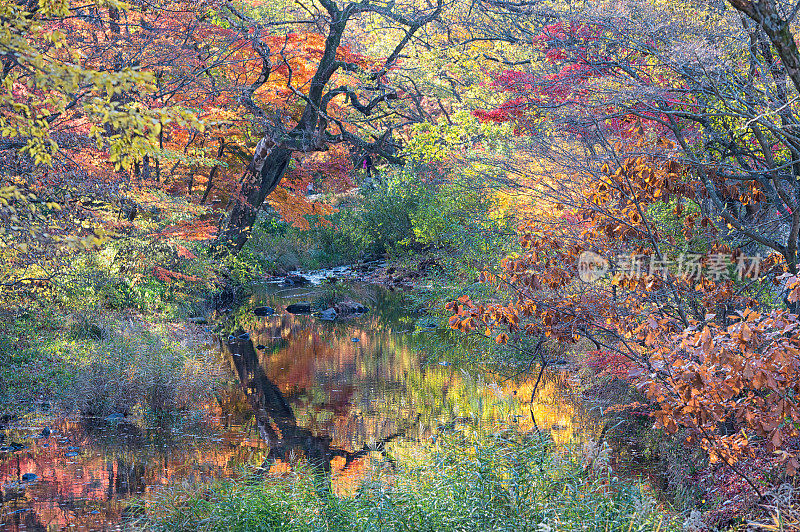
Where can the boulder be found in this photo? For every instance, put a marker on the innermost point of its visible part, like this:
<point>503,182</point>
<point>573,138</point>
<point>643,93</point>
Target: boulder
<point>328,314</point>
<point>12,447</point>
<point>263,311</point>
<point>198,320</point>
<point>303,307</point>
<point>348,306</point>
<point>295,280</point>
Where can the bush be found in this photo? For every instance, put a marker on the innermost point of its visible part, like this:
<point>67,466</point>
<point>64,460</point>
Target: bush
<point>395,215</point>
<point>506,480</point>
<point>149,276</point>
<point>131,366</point>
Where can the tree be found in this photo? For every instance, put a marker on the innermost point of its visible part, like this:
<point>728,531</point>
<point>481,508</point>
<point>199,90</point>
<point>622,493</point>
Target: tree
<point>69,130</point>
<point>662,133</point>
<point>715,84</point>
<point>366,91</point>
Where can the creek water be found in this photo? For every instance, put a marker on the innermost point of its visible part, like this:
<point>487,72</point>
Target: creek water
<point>333,393</point>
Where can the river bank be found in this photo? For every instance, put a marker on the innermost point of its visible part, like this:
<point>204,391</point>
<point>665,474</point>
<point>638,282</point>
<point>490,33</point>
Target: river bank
<point>325,408</point>
<point>350,397</point>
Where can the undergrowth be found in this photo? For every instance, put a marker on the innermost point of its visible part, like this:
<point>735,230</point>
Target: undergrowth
<point>110,364</point>
<point>503,480</point>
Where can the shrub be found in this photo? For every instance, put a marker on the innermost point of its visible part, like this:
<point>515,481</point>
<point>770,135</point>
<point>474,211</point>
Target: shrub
<point>132,366</point>
<point>506,480</point>
<point>399,213</point>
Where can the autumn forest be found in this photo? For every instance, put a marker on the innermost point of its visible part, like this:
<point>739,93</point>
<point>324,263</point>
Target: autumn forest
<point>399,265</point>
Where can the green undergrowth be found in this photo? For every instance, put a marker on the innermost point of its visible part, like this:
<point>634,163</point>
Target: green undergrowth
<point>99,365</point>
<point>462,481</point>
<point>397,215</point>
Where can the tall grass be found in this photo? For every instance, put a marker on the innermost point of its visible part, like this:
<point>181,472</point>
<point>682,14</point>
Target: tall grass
<point>467,481</point>
<point>130,364</point>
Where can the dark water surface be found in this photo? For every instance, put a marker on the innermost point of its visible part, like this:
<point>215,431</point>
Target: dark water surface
<point>332,393</point>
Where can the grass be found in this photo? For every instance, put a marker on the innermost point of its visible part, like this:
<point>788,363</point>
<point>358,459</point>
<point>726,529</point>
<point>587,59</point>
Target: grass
<point>467,481</point>
<point>135,364</point>
<point>102,365</point>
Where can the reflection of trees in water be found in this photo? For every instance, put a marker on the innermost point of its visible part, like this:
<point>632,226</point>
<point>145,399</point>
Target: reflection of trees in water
<point>113,462</point>
<point>363,391</point>
<point>334,384</point>
<point>278,425</point>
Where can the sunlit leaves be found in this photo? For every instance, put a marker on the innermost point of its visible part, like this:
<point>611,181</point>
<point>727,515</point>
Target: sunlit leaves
<point>747,373</point>
<point>41,86</point>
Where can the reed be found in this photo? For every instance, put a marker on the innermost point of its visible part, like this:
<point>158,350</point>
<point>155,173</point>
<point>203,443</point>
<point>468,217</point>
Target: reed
<point>470,480</point>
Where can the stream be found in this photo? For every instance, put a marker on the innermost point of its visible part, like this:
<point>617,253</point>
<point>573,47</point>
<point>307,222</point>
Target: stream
<point>336,394</point>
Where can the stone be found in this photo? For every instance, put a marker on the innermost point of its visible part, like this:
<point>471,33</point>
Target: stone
<point>198,320</point>
<point>348,306</point>
<point>303,307</point>
<point>29,477</point>
<point>12,447</point>
<point>263,311</point>
<point>328,314</point>
<point>295,280</point>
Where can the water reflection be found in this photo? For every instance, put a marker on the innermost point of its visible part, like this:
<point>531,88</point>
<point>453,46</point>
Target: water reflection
<point>330,394</point>
<point>278,425</point>
<point>87,469</point>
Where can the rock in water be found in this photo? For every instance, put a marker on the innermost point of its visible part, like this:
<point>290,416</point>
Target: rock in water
<point>348,306</point>
<point>328,314</point>
<point>263,311</point>
<point>299,308</point>
<point>295,280</point>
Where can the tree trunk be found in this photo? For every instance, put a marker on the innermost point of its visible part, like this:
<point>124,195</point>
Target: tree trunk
<point>256,186</point>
